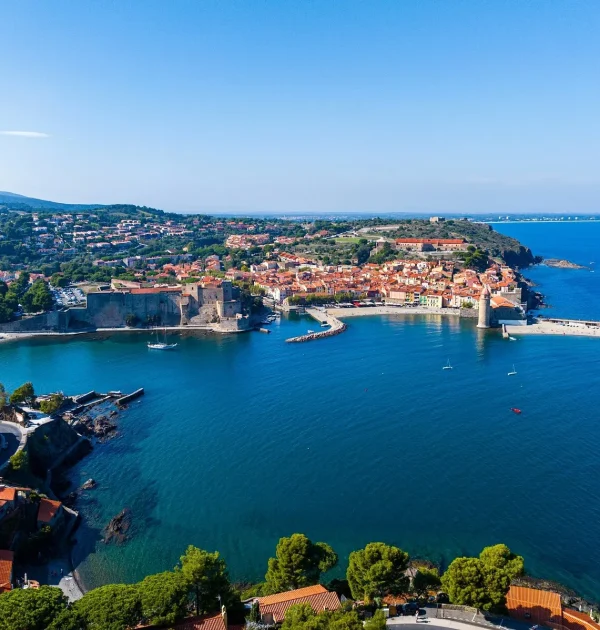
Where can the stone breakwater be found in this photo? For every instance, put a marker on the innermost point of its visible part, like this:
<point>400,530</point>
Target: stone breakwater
<point>336,327</point>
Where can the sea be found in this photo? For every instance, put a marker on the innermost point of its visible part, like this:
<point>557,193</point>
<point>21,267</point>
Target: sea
<point>240,440</point>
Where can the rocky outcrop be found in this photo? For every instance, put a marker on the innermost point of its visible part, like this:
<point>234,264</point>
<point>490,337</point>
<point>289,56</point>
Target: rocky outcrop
<point>563,264</point>
<point>521,257</point>
<point>119,527</point>
<point>100,427</point>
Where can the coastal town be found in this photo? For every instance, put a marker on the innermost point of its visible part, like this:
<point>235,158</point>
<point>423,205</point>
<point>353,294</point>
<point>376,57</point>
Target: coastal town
<point>100,270</point>
<point>91,271</point>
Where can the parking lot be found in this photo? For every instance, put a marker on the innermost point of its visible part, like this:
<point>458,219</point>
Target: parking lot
<point>69,296</point>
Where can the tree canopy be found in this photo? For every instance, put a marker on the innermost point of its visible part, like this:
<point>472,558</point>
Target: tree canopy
<point>298,562</point>
<point>303,617</point>
<point>483,582</point>
<point>52,404</point>
<point>425,580</point>
<point>31,609</point>
<point>163,597</point>
<point>110,607</point>
<point>207,578</point>
<point>377,570</point>
<point>22,394</point>
<point>37,298</point>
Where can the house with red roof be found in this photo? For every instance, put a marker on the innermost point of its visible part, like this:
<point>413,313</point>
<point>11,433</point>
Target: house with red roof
<point>545,608</point>
<point>8,501</point>
<point>212,621</point>
<point>50,513</point>
<point>273,607</point>
<point>6,570</point>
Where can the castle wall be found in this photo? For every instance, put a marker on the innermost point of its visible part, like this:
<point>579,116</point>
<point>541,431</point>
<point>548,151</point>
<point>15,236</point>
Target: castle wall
<point>109,310</point>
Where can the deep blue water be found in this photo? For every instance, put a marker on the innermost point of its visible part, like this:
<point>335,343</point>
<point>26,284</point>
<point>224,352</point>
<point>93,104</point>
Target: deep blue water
<point>571,292</point>
<point>361,437</point>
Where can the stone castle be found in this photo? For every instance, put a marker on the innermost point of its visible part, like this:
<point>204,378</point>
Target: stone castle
<point>216,305</point>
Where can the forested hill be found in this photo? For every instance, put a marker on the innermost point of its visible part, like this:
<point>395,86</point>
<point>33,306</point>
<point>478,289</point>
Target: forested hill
<point>482,235</point>
<point>12,201</point>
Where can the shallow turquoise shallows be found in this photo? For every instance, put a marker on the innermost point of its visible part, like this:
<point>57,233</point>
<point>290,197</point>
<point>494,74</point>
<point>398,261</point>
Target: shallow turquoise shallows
<point>360,437</point>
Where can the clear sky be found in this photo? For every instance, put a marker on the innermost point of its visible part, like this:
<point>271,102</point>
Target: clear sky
<point>337,105</point>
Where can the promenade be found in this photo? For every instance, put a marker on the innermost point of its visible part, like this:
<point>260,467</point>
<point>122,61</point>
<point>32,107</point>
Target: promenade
<point>569,328</point>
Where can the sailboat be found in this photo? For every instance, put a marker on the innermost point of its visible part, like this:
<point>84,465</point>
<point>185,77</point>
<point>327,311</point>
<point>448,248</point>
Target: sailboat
<point>161,345</point>
<point>447,366</point>
<point>513,371</point>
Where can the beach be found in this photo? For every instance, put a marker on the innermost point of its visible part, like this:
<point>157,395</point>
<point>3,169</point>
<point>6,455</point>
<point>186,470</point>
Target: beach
<point>391,310</point>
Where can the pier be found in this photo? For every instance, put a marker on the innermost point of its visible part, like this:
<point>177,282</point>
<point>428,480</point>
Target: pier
<point>558,326</point>
<point>336,327</point>
<point>125,399</point>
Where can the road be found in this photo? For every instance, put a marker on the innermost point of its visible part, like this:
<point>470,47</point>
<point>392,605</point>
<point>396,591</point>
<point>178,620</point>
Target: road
<point>15,436</point>
<point>456,619</point>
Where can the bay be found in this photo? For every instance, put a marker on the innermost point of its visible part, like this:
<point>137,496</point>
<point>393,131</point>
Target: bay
<point>360,437</point>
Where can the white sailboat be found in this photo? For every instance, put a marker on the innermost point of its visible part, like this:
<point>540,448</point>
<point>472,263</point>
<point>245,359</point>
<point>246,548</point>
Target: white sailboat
<point>513,371</point>
<point>161,345</point>
<point>447,366</point>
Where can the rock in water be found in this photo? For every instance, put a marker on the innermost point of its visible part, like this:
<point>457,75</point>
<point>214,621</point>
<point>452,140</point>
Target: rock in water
<point>118,529</point>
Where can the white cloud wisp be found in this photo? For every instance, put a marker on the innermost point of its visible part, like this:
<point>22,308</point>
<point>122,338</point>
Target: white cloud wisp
<point>25,134</point>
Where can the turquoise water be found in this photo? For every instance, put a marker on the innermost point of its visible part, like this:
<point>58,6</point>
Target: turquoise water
<point>360,437</point>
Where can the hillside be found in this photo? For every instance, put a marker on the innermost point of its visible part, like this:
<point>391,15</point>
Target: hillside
<point>12,201</point>
<point>20,202</point>
<point>482,235</point>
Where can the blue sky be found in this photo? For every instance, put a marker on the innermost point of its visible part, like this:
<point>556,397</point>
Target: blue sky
<point>339,105</point>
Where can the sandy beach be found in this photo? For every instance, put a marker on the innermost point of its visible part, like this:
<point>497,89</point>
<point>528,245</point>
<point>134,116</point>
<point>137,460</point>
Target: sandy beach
<point>391,310</point>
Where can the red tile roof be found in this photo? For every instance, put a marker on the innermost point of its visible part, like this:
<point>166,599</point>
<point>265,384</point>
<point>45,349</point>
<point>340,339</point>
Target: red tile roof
<point>6,565</point>
<point>48,510</point>
<point>575,620</point>
<point>541,606</point>
<point>317,596</point>
<point>287,595</point>
<point>205,622</point>
<point>7,494</point>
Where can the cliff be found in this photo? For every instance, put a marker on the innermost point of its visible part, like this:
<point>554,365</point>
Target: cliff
<point>518,256</point>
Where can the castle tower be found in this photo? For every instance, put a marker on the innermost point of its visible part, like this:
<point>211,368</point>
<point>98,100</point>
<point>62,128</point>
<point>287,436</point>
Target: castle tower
<point>484,309</point>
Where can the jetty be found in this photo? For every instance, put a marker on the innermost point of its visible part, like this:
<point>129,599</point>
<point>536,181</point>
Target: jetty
<point>558,326</point>
<point>125,399</point>
<point>336,327</point>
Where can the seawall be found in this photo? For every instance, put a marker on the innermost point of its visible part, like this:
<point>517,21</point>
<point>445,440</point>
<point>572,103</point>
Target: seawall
<point>336,326</point>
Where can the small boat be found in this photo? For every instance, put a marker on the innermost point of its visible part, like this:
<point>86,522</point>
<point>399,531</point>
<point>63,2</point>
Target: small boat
<point>161,345</point>
<point>512,338</point>
<point>447,366</point>
<point>513,371</point>
<point>516,410</point>
<point>310,332</point>
<point>324,325</point>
